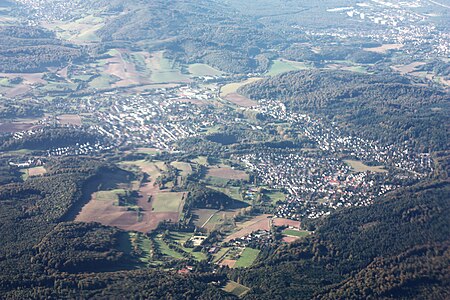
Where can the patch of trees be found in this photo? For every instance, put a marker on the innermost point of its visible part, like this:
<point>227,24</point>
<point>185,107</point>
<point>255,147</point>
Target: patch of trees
<point>351,250</point>
<point>382,107</point>
<point>80,247</point>
<point>203,197</point>
<point>48,138</point>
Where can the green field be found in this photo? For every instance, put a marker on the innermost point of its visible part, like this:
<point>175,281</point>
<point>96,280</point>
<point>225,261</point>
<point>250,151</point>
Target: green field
<point>359,166</point>
<point>275,196</point>
<point>298,233</point>
<point>247,258</point>
<point>109,195</point>
<point>102,82</point>
<point>167,202</point>
<point>282,66</point>
<point>203,70</point>
<point>236,289</point>
<point>165,250</point>
<point>164,70</point>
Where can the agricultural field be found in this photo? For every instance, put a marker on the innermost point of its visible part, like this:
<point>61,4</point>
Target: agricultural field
<point>168,202</point>
<point>164,70</point>
<point>282,66</point>
<point>143,213</point>
<point>81,31</point>
<point>236,289</point>
<point>359,166</point>
<point>229,92</point>
<point>197,70</point>
<point>385,48</point>
<point>69,119</point>
<point>247,257</point>
<point>226,172</point>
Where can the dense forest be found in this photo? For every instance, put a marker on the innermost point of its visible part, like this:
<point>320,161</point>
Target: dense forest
<point>387,107</point>
<point>398,247</point>
<point>33,49</point>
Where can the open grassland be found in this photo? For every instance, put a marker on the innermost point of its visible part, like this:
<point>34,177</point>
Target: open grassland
<point>236,289</point>
<point>248,256</point>
<point>359,166</point>
<point>167,202</point>
<point>226,172</point>
<point>233,87</point>
<point>79,31</point>
<point>197,70</point>
<point>164,70</point>
<point>282,66</point>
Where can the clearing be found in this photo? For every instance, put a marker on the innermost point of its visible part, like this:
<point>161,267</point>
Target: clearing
<point>359,166</point>
<point>248,256</point>
<point>283,65</point>
<point>236,289</point>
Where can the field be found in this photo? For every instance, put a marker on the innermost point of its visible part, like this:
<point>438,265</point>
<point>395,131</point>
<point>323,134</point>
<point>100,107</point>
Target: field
<point>184,168</point>
<point>385,48</point>
<point>226,172</point>
<point>359,166</point>
<point>275,196</point>
<point>145,212</point>
<point>248,256</point>
<point>69,120</point>
<point>164,70</point>
<point>203,215</point>
<point>285,222</point>
<point>167,202</point>
<point>203,70</point>
<point>282,66</point>
<point>229,92</point>
<point>296,233</point>
<point>261,222</point>
<point>236,289</point>
<point>80,31</point>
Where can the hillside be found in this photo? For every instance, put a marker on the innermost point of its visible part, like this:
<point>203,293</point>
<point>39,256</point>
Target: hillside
<point>408,228</point>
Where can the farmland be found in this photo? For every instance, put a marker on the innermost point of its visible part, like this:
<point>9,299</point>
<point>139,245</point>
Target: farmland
<point>282,65</point>
<point>226,172</point>
<point>236,289</point>
<point>203,70</point>
<point>143,213</point>
<point>229,92</point>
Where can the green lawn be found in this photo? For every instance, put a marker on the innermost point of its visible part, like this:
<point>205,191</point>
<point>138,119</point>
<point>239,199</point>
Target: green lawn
<point>167,202</point>
<point>247,258</point>
<point>299,233</point>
